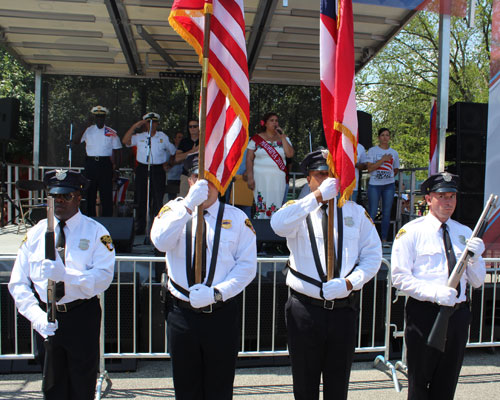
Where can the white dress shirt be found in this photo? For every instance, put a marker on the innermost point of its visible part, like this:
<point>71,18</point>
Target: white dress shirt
<point>419,261</point>
<point>100,142</point>
<point>161,147</point>
<point>361,243</point>
<point>89,261</point>
<point>237,256</point>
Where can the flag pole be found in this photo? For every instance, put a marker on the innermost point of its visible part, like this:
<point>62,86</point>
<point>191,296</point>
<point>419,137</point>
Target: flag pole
<point>331,237</point>
<point>207,11</point>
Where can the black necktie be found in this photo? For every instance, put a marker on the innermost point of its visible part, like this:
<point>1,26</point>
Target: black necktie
<point>60,247</point>
<point>450,254</point>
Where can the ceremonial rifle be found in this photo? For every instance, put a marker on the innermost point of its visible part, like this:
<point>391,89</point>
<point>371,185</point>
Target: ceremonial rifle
<point>439,331</point>
<point>49,377</point>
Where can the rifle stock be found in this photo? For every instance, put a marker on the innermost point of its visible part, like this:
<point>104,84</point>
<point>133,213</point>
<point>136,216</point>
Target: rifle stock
<point>49,377</point>
<point>439,331</point>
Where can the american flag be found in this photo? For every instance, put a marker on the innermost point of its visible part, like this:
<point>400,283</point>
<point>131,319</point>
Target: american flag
<point>433,154</point>
<point>338,98</point>
<point>228,98</point>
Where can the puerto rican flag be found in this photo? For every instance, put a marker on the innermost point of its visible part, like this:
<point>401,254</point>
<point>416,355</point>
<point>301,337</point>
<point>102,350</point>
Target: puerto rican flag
<point>338,97</point>
<point>110,132</point>
<point>120,194</point>
<point>228,91</point>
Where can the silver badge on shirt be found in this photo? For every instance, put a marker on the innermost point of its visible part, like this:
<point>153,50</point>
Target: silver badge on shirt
<point>461,239</point>
<point>348,221</point>
<point>84,244</point>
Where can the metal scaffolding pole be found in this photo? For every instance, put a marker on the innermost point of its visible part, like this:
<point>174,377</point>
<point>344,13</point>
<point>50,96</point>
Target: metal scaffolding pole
<point>36,128</point>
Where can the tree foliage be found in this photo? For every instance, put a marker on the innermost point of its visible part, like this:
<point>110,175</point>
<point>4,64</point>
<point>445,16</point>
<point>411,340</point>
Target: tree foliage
<point>398,85</point>
<point>16,82</point>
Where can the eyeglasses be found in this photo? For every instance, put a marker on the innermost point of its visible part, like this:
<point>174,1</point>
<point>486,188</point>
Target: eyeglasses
<point>193,126</point>
<point>63,196</point>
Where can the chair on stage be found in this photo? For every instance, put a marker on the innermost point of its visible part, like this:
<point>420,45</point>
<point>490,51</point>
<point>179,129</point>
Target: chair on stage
<point>33,207</point>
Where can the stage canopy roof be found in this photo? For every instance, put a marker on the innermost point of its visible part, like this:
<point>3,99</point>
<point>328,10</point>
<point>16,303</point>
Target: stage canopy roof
<point>132,38</point>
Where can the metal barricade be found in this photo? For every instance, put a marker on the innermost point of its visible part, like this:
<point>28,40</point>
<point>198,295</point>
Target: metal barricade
<point>133,323</point>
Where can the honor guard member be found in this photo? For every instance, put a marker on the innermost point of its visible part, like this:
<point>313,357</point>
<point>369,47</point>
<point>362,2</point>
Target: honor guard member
<point>203,319</point>
<point>154,150</point>
<point>321,316</point>
<point>102,145</point>
<point>423,254</point>
<point>83,269</point>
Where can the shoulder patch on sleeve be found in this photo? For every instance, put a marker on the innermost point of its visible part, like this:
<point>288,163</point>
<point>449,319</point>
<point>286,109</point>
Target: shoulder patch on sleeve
<point>163,210</point>
<point>368,216</point>
<point>289,202</point>
<point>108,242</point>
<point>400,233</point>
<point>249,224</point>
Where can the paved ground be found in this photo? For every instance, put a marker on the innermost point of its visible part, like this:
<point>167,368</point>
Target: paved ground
<point>480,379</point>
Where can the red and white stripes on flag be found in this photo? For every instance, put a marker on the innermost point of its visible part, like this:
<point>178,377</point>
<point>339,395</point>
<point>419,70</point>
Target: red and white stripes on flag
<point>433,141</point>
<point>228,98</point>
<point>338,98</point>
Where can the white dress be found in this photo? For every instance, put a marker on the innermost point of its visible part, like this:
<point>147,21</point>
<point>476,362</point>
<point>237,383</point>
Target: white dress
<point>270,181</point>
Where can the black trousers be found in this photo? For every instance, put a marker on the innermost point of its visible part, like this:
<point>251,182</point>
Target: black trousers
<point>76,352</point>
<point>156,191</point>
<point>204,348</point>
<point>432,374</point>
<point>320,342</point>
<point>100,173</point>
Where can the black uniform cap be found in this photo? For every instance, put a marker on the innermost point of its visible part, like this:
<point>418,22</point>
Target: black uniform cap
<point>315,161</point>
<point>60,181</point>
<point>441,182</point>
<point>191,164</point>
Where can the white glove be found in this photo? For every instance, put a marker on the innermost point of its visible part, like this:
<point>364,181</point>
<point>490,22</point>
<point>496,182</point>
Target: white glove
<point>53,270</point>
<point>445,296</point>
<point>40,323</point>
<point>197,194</point>
<point>476,245</point>
<point>335,289</point>
<point>328,188</point>
<point>201,295</point>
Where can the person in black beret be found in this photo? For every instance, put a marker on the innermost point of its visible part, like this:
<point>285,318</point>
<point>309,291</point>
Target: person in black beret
<point>321,315</point>
<point>83,269</point>
<point>203,320</point>
<point>423,255</point>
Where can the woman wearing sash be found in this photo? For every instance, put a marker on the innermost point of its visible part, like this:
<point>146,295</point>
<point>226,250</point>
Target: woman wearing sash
<point>266,167</point>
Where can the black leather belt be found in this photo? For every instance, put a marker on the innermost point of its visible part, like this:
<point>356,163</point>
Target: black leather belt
<point>349,301</point>
<point>98,158</point>
<point>205,310</point>
<point>62,308</point>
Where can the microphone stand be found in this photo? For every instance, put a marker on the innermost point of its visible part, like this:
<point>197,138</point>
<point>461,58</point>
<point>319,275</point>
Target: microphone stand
<point>146,237</point>
<point>70,144</point>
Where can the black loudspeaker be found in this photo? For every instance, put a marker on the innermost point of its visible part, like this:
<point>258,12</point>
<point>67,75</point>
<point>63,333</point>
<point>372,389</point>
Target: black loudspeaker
<point>121,231</point>
<point>471,176</point>
<point>466,147</point>
<point>365,129</point>
<point>469,208</point>
<point>9,118</point>
<point>265,233</point>
<point>468,117</point>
